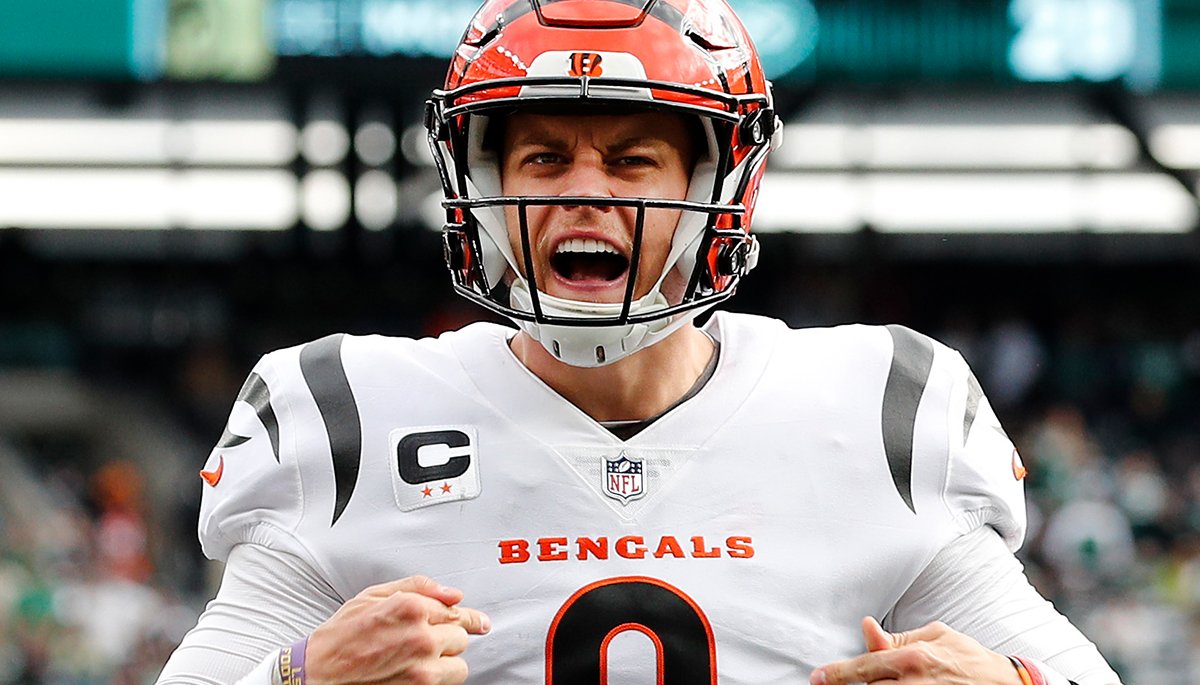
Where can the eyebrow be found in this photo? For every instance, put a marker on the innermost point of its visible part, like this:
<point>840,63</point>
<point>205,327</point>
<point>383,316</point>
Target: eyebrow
<point>545,138</point>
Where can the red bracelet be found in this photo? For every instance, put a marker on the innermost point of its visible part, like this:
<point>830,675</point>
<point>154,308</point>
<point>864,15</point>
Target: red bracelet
<point>1028,670</point>
<point>291,663</point>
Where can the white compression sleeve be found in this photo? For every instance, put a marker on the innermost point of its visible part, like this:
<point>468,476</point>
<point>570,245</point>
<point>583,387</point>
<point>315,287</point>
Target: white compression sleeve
<point>976,586</point>
<point>267,600</point>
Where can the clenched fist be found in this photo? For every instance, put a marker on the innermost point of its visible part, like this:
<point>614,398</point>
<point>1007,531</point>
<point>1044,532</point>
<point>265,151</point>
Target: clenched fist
<point>406,632</point>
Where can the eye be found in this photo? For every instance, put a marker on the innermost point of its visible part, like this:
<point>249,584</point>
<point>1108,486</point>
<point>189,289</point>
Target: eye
<point>544,158</point>
<point>635,161</point>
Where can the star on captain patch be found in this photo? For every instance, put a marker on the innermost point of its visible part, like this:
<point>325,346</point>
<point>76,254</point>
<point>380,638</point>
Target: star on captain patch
<point>623,478</point>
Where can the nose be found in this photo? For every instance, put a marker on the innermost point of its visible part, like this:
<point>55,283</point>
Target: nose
<point>587,177</point>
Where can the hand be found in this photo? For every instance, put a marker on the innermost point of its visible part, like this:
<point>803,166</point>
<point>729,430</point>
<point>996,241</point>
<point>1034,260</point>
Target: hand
<point>406,632</point>
<point>934,653</point>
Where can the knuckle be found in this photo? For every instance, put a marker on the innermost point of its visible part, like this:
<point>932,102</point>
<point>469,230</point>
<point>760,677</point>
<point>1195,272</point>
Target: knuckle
<point>419,642</point>
<point>908,660</point>
<point>408,606</point>
<point>421,674</point>
<point>917,659</point>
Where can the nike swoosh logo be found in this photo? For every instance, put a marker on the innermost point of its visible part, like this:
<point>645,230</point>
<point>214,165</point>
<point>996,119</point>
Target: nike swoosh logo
<point>1019,470</point>
<point>214,477</point>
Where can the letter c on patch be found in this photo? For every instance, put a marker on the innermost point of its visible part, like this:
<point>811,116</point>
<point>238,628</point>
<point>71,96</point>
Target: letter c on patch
<point>411,470</point>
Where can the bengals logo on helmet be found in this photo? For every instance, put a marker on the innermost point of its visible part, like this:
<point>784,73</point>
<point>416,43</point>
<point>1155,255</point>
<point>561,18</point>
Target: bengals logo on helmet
<point>585,64</point>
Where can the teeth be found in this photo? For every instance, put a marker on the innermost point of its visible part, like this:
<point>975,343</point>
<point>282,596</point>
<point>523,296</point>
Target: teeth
<point>585,245</point>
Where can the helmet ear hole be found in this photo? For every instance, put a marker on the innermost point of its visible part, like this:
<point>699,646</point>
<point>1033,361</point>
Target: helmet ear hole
<point>757,127</point>
<point>731,258</point>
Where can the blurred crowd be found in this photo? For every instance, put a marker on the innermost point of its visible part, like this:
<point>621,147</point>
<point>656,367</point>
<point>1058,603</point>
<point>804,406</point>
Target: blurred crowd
<point>91,590</point>
<point>80,602</point>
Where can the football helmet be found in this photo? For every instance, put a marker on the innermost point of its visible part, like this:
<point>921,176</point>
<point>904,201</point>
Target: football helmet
<point>692,57</point>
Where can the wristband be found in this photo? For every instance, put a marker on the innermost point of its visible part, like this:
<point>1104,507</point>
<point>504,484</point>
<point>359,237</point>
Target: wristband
<point>1034,672</point>
<point>1022,671</point>
<point>289,666</point>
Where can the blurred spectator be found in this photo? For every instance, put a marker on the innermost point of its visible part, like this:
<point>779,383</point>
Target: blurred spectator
<point>1088,542</point>
<point>120,531</point>
<point>1015,358</point>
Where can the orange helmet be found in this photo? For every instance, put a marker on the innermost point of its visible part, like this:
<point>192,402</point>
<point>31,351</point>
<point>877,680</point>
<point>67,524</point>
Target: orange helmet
<point>686,56</point>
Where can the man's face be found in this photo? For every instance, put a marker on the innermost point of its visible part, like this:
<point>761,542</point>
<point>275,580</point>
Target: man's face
<point>583,252</point>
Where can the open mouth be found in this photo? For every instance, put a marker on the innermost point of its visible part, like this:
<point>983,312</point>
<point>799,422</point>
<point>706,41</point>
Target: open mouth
<point>584,260</point>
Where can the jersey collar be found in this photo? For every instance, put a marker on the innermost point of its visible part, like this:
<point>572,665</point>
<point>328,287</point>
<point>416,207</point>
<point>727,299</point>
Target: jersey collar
<point>514,392</point>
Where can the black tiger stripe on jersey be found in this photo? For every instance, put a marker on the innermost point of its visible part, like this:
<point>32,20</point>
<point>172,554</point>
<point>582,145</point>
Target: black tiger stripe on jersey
<point>255,393</point>
<point>231,439</point>
<point>321,365</point>
<point>912,360</point>
<point>974,394</point>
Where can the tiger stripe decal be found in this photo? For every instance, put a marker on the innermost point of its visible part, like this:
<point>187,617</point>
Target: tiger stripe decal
<point>321,365</point>
<point>974,394</point>
<point>912,361</point>
<point>255,393</point>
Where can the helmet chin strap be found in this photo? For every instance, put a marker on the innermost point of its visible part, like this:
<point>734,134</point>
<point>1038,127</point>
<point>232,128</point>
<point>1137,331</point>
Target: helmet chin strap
<point>593,346</point>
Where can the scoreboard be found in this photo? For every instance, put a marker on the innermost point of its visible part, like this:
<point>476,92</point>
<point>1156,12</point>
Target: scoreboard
<point>1142,44</point>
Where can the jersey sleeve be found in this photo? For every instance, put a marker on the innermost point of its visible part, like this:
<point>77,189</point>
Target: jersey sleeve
<point>984,472</point>
<point>267,599</point>
<point>976,586</point>
<point>251,482</point>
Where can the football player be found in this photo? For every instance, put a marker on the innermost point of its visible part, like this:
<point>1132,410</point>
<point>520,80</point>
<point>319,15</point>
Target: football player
<point>609,493</point>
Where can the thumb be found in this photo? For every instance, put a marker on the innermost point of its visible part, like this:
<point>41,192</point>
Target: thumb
<point>876,638</point>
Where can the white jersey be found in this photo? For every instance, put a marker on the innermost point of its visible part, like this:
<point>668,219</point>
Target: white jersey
<point>743,535</point>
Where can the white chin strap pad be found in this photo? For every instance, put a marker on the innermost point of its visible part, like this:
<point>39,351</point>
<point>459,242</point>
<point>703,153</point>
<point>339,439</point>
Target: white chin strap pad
<point>592,346</point>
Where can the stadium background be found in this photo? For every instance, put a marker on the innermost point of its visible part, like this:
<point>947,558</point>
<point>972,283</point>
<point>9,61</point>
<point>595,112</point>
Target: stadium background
<point>187,184</point>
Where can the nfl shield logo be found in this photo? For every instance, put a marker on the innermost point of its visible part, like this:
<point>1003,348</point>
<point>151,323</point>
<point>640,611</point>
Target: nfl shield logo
<point>623,478</point>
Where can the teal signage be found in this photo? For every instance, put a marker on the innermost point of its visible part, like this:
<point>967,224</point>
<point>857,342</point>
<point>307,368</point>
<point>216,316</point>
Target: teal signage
<point>114,39</point>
